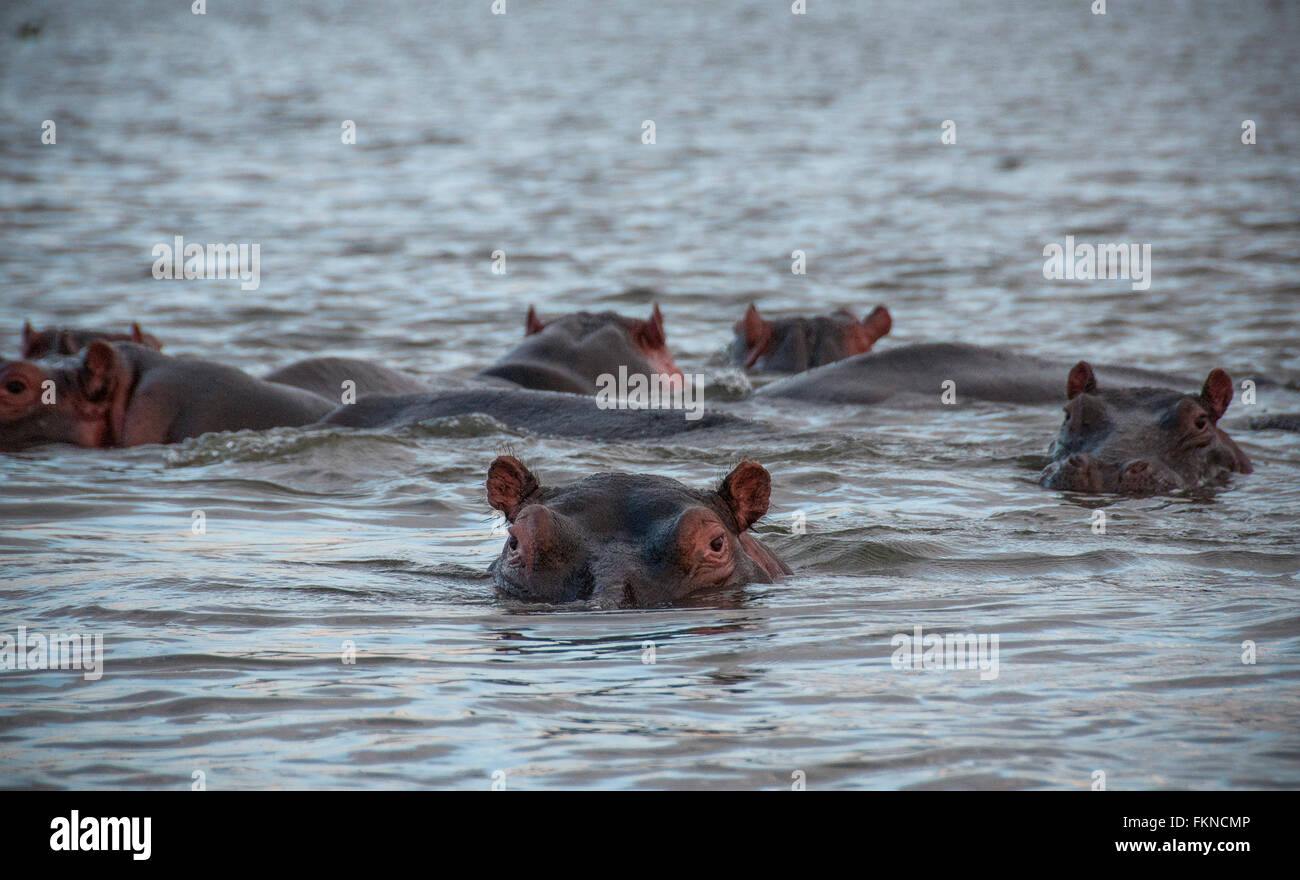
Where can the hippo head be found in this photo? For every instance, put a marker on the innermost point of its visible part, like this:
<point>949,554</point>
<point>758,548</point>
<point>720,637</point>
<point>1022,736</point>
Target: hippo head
<point>69,340</point>
<point>572,352</point>
<point>59,399</point>
<point>1142,441</point>
<point>792,345</point>
<point>628,539</point>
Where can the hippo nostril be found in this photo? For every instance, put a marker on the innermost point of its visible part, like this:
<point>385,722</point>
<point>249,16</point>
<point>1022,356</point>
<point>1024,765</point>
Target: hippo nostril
<point>15,387</point>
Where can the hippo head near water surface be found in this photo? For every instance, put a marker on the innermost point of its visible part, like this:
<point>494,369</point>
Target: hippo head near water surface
<point>629,540</point>
<point>572,352</point>
<point>792,345</point>
<point>1142,441</point>
<point>70,340</point>
<point>125,394</point>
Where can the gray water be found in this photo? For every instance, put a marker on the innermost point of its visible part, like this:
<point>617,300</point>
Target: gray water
<point>1120,652</point>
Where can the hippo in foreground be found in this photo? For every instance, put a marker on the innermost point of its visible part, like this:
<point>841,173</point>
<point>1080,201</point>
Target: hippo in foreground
<point>1142,441</point>
<point>70,340</point>
<point>572,352</point>
<point>792,345</point>
<point>628,540</point>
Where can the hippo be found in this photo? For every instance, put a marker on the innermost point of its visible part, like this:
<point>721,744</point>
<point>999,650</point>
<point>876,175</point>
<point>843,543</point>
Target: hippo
<point>70,340</point>
<point>977,373</point>
<point>126,394</point>
<point>1142,441</point>
<point>571,352</point>
<point>628,540</point>
<point>326,376</point>
<point>551,413</point>
<point>792,345</point>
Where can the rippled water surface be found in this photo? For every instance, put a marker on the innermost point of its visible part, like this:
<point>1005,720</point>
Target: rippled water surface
<point>1120,652</point>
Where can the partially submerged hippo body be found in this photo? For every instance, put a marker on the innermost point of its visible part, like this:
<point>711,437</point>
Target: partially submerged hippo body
<point>556,414</point>
<point>571,352</point>
<point>792,345</point>
<point>70,340</point>
<point>124,394</point>
<point>326,376</point>
<point>978,373</point>
<point>629,540</point>
<point>1142,441</point>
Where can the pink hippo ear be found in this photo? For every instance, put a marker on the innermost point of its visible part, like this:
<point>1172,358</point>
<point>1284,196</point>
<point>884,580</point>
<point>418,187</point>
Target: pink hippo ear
<point>879,322</point>
<point>651,332</point>
<point>747,491</point>
<point>1082,380</point>
<point>1216,394</point>
<point>532,324</point>
<point>757,334</point>
<point>98,372</point>
<point>864,335</point>
<point>509,483</point>
<point>139,337</point>
<point>34,344</point>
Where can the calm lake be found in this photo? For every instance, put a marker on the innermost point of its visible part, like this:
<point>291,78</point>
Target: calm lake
<point>224,653</point>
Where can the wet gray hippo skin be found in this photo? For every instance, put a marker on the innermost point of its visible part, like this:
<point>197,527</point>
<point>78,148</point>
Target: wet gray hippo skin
<point>979,373</point>
<point>70,340</point>
<point>792,345</point>
<point>123,394</point>
<point>628,540</point>
<point>1142,441</point>
<point>325,376</point>
<point>551,413</point>
<point>569,353</point>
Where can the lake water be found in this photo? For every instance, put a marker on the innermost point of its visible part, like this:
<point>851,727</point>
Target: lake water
<point>1119,652</point>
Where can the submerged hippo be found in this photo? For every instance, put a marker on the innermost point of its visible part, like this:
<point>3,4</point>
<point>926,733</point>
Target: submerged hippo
<point>70,340</point>
<point>976,373</point>
<point>792,345</point>
<point>327,376</point>
<point>552,413</point>
<point>571,352</point>
<point>628,539</point>
<point>1141,441</point>
<point>124,394</point>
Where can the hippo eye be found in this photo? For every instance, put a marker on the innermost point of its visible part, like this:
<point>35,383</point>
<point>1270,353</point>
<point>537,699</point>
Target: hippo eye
<point>1202,422</point>
<point>512,542</point>
<point>15,386</point>
<point>717,544</point>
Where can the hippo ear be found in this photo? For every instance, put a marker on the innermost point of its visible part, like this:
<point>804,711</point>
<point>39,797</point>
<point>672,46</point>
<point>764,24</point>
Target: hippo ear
<point>1082,380</point>
<point>97,371</point>
<point>31,341</point>
<point>747,490</point>
<point>137,335</point>
<point>1216,394</point>
<point>67,343</point>
<point>652,332</point>
<point>757,334</point>
<point>878,323</point>
<point>532,324</point>
<point>509,483</point>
